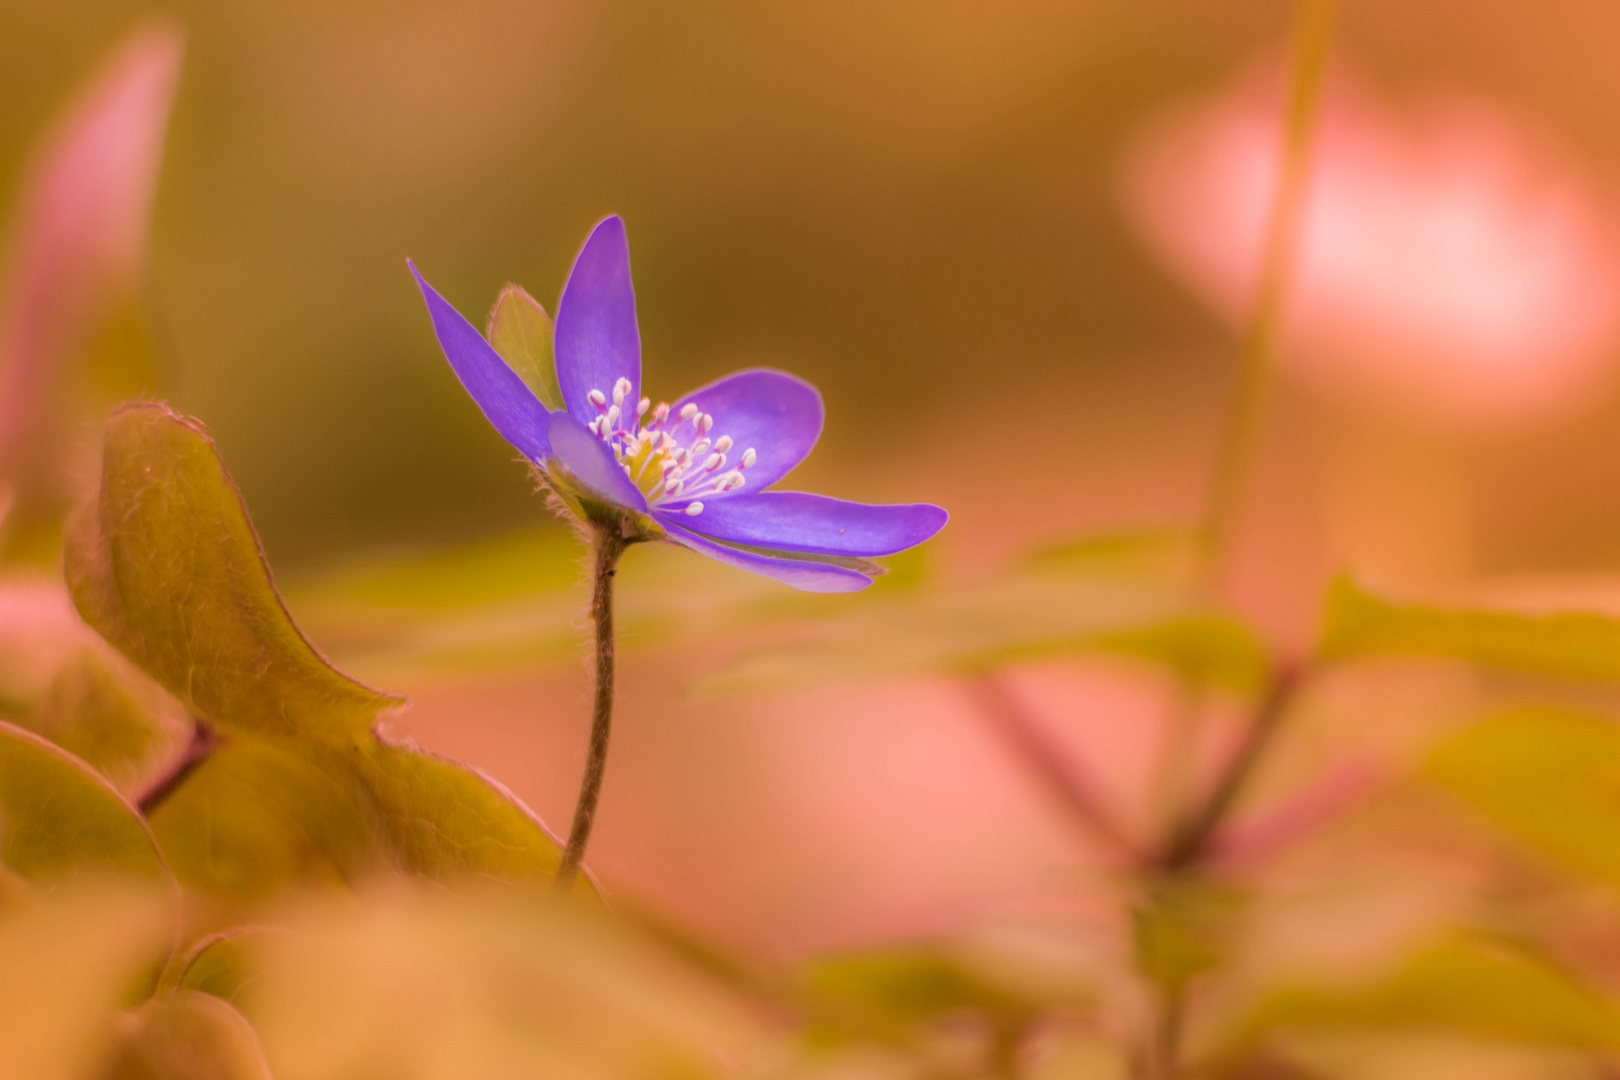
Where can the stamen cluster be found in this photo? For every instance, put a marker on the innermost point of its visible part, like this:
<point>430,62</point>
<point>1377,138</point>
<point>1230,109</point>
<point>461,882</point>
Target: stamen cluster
<point>650,449</point>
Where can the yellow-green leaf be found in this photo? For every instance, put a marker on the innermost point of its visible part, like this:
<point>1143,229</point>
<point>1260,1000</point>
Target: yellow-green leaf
<point>258,815</point>
<point>164,564</point>
<point>60,819</point>
<point>446,820</point>
<point>224,963</point>
<point>1577,645</point>
<point>91,711</point>
<point>520,331</point>
<point>1466,984</point>
<point>1548,777</point>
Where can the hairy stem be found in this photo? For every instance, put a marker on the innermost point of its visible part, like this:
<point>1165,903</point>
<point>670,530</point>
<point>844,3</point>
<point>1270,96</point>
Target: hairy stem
<point>203,742</point>
<point>1313,31</point>
<point>610,544</point>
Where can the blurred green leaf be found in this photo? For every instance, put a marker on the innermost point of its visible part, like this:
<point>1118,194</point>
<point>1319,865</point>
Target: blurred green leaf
<point>1183,927</point>
<point>165,565</point>
<point>1548,777</point>
<point>60,819</point>
<point>185,1035</point>
<point>520,331</point>
<point>889,992</point>
<point>90,711</point>
<point>1014,619</point>
<point>1576,645</point>
<point>1467,984</point>
<point>1169,555</point>
<point>514,566</point>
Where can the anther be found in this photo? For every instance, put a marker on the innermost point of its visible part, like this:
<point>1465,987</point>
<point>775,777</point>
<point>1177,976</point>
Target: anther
<point>713,462</point>
<point>688,411</point>
<point>694,509</point>
<point>642,406</point>
<point>748,458</point>
<point>597,398</point>
<point>621,390</point>
<point>704,423</point>
<point>661,412</point>
<point>723,443</point>
<point>612,415</point>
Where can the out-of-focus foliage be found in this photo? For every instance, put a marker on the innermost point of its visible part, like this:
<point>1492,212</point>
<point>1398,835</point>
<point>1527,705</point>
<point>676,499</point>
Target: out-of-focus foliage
<point>60,819</point>
<point>215,862</point>
<point>165,564</point>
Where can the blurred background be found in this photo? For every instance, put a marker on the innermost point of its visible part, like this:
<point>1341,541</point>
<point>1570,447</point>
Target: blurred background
<point>1013,244</point>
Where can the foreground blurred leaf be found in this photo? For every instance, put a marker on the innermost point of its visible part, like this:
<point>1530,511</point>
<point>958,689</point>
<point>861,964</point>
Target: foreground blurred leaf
<point>441,985</point>
<point>165,564</point>
<point>77,258</point>
<point>1575,645</point>
<point>60,819</point>
<point>65,964</point>
<point>1466,984</point>
<point>1548,777</point>
<point>184,1035</point>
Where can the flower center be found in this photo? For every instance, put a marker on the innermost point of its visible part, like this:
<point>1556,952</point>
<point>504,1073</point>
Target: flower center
<point>671,459</point>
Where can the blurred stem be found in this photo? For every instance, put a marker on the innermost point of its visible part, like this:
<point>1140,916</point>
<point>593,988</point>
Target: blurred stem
<point>1064,777</point>
<point>203,743</point>
<point>1313,32</point>
<point>1189,843</point>
<point>610,544</point>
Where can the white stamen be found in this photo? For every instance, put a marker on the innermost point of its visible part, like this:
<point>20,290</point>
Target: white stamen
<point>713,462</point>
<point>723,443</point>
<point>661,412</point>
<point>695,509</point>
<point>597,398</point>
<point>642,406</point>
<point>748,458</point>
<point>732,481</point>
<point>621,390</point>
<point>688,411</point>
<point>699,448</point>
<point>704,423</point>
<point>612,415</point>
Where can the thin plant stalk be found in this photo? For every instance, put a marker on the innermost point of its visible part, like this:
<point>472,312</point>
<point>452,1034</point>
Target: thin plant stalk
<point>609,545</point>
<point>1313,33</point>
<point>1066,778</point>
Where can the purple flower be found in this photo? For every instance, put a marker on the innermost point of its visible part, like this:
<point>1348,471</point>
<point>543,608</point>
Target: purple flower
<point>694,472</point>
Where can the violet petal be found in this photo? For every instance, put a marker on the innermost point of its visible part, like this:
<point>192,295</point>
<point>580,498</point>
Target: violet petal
<point>597,342</point>
<point>796,521</point>
<point>807,576</point>
<point>592,463</point>
<point>509,405</point>
<point>775,414</point>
